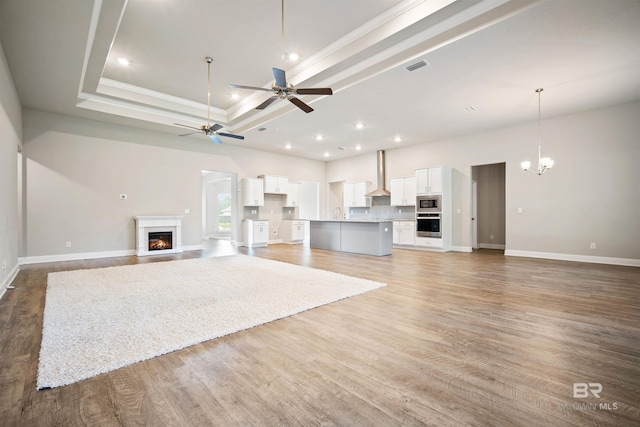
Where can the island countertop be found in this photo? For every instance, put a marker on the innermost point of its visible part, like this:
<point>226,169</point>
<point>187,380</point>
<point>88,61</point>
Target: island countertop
<point>351,220</point>
<point>361,236</point>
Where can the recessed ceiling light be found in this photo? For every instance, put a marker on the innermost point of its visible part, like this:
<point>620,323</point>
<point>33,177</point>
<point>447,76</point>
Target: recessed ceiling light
<point>294,56</point>
<point>123,61</point>
<point>326,154</point>
<point>262,129</point>
<point>319,138</point>
<point>397,139</point>
<point>359,125</point>
<point>358,147</point>
<point>235,96</point>
<point>288,146</point>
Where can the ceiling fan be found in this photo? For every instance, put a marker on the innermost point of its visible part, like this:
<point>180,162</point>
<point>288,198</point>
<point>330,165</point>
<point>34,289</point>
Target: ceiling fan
<point>283,90</point>
<point>210,131</point>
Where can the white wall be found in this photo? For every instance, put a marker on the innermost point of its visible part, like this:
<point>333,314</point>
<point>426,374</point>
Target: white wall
<point>10,137</point>
<point>589,196</point>
<point>76,170</point>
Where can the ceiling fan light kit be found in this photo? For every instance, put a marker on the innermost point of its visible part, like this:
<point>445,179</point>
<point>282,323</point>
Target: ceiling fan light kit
<point>544,163</point>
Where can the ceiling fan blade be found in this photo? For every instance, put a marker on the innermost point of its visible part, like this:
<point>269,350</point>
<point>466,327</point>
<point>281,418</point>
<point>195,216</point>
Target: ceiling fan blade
<point>185,126</point>
<point>301,105</point>
<point>190,133</point>
<point>281,78</point>
<point>215,138</point>
<point>266,103</point>
<point>250,87</point>
<point>315,91</point>
<point>230,135</point>
<point>215,127</point>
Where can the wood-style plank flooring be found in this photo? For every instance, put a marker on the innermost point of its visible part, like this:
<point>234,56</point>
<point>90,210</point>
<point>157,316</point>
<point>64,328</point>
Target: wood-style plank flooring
<point>455,339</point>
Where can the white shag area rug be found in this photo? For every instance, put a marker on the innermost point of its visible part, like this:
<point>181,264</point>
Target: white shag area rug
<point>99,320</point>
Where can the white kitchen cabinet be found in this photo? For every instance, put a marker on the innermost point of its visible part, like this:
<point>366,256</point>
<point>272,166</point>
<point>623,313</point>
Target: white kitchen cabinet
<point>430,242</point>
<point>354,194</point>
<point>404,233</point>
<point>253,192</point>
<point>292,231</point>
<point>256,232</point>
<point>275,184</point>
<point>403,191</point>
<point>293,195</point>
<point>429,180</point>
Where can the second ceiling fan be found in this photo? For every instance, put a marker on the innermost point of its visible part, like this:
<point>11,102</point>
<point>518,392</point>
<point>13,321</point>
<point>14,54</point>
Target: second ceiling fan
<point>208,129</point>
<point>284,90</point>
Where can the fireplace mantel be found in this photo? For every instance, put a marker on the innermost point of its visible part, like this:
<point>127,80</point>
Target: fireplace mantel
<point>145,224</point>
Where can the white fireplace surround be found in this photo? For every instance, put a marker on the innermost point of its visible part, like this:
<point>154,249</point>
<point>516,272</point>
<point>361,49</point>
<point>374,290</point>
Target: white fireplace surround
<point>146,224</point>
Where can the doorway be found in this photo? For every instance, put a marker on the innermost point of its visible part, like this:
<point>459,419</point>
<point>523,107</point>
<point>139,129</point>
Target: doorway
<point>488,230</point>
<point>219,210</point>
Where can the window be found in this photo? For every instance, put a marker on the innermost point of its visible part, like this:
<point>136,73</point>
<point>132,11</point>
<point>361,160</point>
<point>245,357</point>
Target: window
<point>224,212</point>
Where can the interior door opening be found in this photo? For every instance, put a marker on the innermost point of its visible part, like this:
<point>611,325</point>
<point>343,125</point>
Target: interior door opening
<point>488,225</point>
<point>219,205</point>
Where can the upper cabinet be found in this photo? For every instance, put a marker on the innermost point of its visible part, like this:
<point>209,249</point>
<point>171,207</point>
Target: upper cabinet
<point>354,194</point>
<point>293,195</point>
<point>429,181</point>
<point>275,184</point>
<point>403,191</point>
<point>253,192</point>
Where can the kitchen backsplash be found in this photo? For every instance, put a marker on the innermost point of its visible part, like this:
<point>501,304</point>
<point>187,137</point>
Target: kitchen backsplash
<point>383,212</point>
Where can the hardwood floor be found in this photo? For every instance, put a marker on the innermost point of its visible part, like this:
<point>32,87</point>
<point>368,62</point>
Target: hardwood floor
<point>454,339</point>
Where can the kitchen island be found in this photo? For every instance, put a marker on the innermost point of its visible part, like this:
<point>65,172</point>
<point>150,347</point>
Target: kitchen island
<point>368,237</point>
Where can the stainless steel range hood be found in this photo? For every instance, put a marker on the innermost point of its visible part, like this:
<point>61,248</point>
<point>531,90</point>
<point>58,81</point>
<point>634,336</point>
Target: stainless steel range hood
<point>380,191</point>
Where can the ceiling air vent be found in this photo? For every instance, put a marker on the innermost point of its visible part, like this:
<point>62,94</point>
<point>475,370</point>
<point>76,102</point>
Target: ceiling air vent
<point>416,65</point>
<point>262,129</point>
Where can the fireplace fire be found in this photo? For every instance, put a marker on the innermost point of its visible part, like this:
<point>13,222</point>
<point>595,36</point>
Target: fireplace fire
<point>160,240</point>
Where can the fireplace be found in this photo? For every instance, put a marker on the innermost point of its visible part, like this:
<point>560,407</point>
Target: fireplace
<point>156,235</point>
<point>160,240</point>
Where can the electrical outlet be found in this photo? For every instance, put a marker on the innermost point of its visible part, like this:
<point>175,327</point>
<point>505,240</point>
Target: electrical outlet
<point>491,236</point>
<point>68,244</point>
<point>275,232</point>
<point>123,197</point>
<point>593,245</point>
<point>519,210</point>
<point>187,211</point>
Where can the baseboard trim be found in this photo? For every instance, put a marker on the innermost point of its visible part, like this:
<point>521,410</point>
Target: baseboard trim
<point>490,246</point>
<point>74,257</point>
<point>570,257</point>
<point>87,255</point>
<point>8,280</point>
<point>462,248</point>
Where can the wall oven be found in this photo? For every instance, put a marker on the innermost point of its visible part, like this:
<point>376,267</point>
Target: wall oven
<point>426,204</point>
<point>428,225</point>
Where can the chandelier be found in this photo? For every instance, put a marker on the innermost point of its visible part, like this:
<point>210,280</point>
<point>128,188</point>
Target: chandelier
<point>544,163</point>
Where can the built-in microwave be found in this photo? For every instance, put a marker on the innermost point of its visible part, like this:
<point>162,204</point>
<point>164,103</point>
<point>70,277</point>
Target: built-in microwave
<point>425,204</point>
